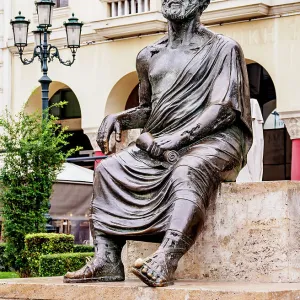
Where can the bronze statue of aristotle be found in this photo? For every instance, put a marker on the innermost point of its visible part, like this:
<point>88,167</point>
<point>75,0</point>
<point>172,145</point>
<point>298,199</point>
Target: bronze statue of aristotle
<point>194,109</point>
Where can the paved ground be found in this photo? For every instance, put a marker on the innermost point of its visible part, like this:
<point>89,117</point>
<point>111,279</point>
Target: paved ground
<point>54,288</point>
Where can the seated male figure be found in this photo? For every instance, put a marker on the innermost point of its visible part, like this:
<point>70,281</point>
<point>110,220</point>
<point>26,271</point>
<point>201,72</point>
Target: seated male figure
<point>194,99</point>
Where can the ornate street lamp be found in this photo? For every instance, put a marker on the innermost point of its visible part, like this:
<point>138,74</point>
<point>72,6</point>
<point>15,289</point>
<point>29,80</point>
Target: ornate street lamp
<point>73,31</point>
<point>43,49</point>
<point>20,30</point>
<point>44,9</point>
<point>39,35</point>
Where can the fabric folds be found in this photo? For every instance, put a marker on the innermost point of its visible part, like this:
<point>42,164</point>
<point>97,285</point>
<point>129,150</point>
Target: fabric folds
<point>134,195</point>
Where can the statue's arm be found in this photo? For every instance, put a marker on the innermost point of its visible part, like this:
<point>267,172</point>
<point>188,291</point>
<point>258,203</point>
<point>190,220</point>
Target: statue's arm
<point>214,118</point>
<point>131,118</point>
<point>138,116</point>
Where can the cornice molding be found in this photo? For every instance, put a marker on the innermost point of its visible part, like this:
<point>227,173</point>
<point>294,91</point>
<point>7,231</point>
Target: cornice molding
<point>284,9</point>
<point>237,13</point>
<point>231,11</point>
<point>153,22</point>
<point>131,25</point>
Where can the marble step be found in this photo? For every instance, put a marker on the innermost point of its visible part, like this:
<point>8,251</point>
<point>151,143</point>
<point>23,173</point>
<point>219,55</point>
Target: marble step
<point>55,289</point>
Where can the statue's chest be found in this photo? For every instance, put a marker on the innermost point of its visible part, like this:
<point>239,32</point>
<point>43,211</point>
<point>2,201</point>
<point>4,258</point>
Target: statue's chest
<point>166,65</point>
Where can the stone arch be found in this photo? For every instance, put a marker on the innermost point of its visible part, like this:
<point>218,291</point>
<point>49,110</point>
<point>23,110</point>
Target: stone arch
<point>59,91</point>
<point>34,102</point>
<point>277,143</point>
<point>262,86</point>
<point>120,93</point>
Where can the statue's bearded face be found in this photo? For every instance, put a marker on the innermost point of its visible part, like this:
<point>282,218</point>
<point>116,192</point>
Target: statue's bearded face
<point>176,10</point>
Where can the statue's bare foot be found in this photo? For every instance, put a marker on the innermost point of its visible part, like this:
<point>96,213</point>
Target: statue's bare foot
<point>97,269</point>
<point>158,269</point>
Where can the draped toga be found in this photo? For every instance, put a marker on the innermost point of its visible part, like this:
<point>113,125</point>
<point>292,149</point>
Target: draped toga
<point>134,194</point>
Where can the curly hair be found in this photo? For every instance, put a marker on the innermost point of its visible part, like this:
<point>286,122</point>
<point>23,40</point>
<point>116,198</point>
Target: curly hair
<point>203,5</point>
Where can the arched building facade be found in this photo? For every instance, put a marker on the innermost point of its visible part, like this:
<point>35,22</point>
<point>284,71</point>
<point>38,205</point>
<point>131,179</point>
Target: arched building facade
<point>104,77</point>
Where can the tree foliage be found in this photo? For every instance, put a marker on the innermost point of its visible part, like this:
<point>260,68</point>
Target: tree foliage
<point>34,155</point>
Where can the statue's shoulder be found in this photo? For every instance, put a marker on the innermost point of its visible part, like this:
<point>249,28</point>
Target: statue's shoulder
<point>146,53</point>
<point>228,43</point>
<point>219,40</point>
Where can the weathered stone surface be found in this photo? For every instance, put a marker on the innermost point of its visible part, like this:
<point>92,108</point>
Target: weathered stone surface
<point>252,233</point>
<point>55,289</point>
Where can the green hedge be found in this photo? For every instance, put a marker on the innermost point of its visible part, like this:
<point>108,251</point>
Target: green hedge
<point>43,244</point>
<point>83,248</point>
<point>3,259</point>
<point>59,264</point>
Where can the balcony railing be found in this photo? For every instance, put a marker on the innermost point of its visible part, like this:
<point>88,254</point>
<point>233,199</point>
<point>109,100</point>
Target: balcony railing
<point>128,7</point>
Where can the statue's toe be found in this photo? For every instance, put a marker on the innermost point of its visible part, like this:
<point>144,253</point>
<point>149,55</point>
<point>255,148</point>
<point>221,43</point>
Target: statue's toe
<point>75,275</point>
<point>139,263</point>
<point>69,275</point>
<point>151,272</point>
<point>160,282</point>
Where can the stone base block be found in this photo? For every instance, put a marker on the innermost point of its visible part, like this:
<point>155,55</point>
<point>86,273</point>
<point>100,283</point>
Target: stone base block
<point>54,289</point>
<point>252,233</point>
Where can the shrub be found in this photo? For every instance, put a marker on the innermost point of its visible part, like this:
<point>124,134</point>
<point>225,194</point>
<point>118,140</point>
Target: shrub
<point>60,264</point>
<point>83,248</point>
<point>45,243</point>
<point>3,259</point>
<point>34,155</point>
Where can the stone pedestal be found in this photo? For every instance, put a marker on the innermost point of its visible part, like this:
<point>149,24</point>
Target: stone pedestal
<point>54,289</point>
<point>252,233</point>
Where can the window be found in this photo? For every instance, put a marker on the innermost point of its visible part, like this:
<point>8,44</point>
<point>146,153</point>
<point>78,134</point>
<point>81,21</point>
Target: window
<point>127,7</point>
<point>61,3</point>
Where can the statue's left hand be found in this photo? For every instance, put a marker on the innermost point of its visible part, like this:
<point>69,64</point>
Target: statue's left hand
<point>164,143</point>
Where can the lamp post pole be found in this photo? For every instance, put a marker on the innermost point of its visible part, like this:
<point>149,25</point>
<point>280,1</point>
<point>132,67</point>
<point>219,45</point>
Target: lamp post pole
<point>45,52</point>
<point>45,80</point>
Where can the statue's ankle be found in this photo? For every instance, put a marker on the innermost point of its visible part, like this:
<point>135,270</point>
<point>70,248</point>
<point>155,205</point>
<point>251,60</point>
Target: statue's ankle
<point>176,240</point>
<point>107,248</point>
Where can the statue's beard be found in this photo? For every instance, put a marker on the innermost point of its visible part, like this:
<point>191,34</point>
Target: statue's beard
<point>175,10</point>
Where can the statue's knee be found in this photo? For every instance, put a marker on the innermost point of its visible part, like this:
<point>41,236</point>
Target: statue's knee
<point>181,173</point>
<point>105,164</point>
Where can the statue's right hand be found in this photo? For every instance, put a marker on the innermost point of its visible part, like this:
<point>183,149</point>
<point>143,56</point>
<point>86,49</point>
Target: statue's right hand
<point>108,126</point>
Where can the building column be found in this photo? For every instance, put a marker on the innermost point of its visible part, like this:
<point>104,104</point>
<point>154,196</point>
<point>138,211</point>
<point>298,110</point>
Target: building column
<point>292,123</point>
<point>296,160</point>
<point>91,133</point>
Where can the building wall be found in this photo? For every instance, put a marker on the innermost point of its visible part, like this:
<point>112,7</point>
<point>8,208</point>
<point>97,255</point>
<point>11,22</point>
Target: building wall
<point>103,75</point>
<point>5,55</point>
<point>273,43</point>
